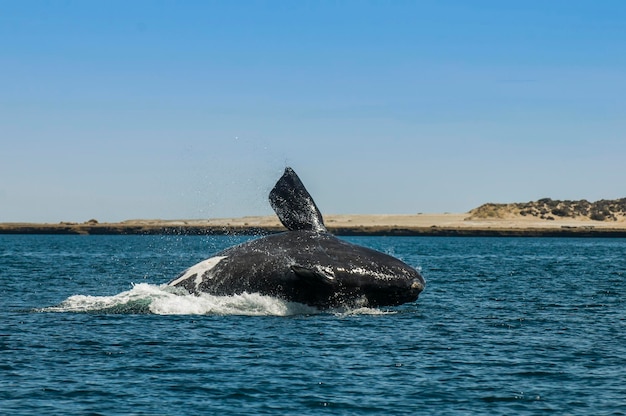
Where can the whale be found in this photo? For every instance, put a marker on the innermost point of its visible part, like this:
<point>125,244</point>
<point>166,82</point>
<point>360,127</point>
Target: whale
<point>305,264</point>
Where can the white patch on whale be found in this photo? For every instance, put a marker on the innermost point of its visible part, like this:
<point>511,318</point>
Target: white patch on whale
<point>199,270</point>
<point>364,272</point>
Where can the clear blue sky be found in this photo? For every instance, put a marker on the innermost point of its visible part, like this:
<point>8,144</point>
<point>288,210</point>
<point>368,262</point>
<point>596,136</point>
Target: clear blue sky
<point>191,109</point>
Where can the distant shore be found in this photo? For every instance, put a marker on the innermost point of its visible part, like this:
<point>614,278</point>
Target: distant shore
<point>346,225</point>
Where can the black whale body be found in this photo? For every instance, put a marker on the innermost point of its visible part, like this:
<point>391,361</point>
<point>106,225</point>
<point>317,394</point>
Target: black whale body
<point>306,264</point>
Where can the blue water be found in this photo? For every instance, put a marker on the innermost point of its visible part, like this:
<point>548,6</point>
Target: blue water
<point>505,326</point>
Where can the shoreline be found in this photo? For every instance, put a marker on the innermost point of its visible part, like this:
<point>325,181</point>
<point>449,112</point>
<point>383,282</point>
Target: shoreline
<point>444,225</point>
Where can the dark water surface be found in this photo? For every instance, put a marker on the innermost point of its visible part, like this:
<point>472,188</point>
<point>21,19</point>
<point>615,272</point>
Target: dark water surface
<point>505,326</point>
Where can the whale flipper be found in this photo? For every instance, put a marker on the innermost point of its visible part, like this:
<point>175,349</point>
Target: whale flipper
<point>317,274</point>
<point>294,205</point>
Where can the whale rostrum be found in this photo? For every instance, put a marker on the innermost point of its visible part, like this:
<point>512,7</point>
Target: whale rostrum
<point>306,263</point>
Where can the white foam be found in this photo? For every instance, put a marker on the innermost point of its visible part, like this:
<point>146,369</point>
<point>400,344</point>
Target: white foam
<point>167,300</point>
<point>251,304</point>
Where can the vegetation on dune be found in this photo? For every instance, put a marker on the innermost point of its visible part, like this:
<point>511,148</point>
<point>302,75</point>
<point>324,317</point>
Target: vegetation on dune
<point>549,209</point>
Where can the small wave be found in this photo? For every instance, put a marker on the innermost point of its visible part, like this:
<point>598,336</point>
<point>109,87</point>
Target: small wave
<point>145,298</point>
<point>346,311</point>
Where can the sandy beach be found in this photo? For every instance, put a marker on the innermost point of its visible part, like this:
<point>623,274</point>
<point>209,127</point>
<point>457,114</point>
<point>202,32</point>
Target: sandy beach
<point>447,224</point>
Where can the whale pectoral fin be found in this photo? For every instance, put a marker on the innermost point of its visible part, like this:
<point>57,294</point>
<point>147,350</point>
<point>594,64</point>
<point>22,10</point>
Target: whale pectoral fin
<point>294,205</point>
<point>316,274</point>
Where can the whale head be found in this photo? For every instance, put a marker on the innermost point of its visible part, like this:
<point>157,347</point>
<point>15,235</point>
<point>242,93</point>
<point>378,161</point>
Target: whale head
<point>328,268</point>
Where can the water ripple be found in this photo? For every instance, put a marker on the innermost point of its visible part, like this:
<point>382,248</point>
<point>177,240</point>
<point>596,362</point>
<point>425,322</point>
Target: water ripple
<point>505,326</point>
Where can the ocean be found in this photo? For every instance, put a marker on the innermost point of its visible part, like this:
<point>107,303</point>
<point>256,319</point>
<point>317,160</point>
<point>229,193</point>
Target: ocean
<point>522,326</point>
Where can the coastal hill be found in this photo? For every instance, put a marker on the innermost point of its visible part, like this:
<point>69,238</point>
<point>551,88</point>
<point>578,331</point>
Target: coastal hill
<point>550,209</point>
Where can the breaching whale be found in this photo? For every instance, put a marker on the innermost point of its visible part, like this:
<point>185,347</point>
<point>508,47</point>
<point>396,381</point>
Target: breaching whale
<point>305,264</point>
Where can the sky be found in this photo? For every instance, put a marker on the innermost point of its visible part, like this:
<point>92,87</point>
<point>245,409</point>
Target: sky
<point>117,110</point>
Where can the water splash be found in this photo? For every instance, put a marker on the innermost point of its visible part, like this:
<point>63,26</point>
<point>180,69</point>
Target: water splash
<point>145,298</point>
